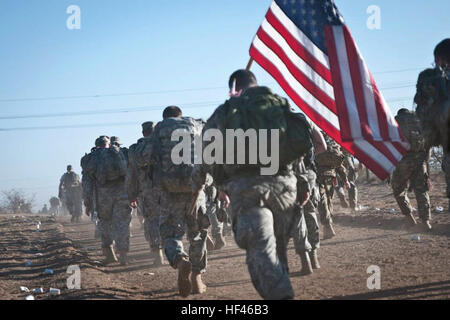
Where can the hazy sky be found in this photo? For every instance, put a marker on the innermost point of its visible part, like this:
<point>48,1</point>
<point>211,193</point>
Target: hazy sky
<point>164,52</point>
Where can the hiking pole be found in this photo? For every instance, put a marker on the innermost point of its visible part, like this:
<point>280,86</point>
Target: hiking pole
<point>249,64</point>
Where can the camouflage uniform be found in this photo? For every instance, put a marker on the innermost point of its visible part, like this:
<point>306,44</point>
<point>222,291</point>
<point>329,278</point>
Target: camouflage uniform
<point>70,191</point>
<point>306,231</point>
<point>175,206</point>
<point>413,168</point>
<point>326,178</point>
<point>262,212</point>
<point>352,175</point>
<point>110,200</point>
<point>433,107</point>
<point>139,186</point>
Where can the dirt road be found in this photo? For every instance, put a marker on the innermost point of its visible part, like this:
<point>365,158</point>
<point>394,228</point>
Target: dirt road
<point>410,269</point>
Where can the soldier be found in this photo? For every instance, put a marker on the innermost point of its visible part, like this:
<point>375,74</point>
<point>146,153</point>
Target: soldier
<point>306,227</point>
<point>262,206</point>
<point>413,167</point>
<point>176,200</point>
<point>55,205</point>
<point>104,180</point>
<point>143,195</point>
<point>433,104</point>
<point>329,167</point>
<point>352,175</point>
<point>70,191</point>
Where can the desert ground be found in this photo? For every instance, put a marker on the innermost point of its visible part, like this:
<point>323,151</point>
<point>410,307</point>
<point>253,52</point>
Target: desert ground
<point>414,264</point>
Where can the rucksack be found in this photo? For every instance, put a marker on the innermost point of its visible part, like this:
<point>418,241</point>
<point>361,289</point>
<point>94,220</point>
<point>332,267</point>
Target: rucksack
<point>258,108</point>
<point>174,178</point>
<point>411,129</point>
<point>71,180</point>
<point>107,165</point>
<point>333,158</point>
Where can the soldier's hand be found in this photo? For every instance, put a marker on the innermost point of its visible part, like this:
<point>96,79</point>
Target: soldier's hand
<point>223,197</point>
<point>88,211</point>
<point>347,185</point>
<point>304,198</point>
<point>134,204</point>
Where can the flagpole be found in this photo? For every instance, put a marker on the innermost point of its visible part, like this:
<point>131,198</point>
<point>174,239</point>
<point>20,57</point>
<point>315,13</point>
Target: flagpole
<point>249,65</point>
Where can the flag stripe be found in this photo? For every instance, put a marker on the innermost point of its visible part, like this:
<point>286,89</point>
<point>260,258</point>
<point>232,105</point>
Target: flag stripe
<point>298,74</point>
<point>300,49</point>
<point>323,117</point>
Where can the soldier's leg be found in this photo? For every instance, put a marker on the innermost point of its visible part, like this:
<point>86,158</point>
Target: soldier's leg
<point>353,195</point>
<point>301,243</point>
<point>421,189</point>
<point>254,232</point>
<point>324,208</point>
<point>399,184</point>
<point>312,225</point>
<point>105,225</point>
<point>446,169</point>
<point>172,227</point>
<point>341,194</point>
<point>216,226</point>
<point>121,222</point>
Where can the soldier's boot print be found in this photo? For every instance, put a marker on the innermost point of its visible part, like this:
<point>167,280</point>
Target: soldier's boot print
<point>306,264</point>
<point>219,241</point>
<point>110,255</point>
<point>159,258</point>
<point>410,220</point>
<point>427,225</point>
<point>184,283</point>
<point>198,287</point>
<point>209,243</point>
<point>123,258</point>
<point>328,231</point>
<point>314,259</point>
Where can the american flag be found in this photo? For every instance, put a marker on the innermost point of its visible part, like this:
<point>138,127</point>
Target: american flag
<point>306,46</point>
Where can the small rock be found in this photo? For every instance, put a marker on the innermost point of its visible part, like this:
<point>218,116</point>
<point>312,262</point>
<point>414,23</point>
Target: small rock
<point>392,211</point>
<point>149,274</point>
<point>415,238</point>
<point>29,263</point>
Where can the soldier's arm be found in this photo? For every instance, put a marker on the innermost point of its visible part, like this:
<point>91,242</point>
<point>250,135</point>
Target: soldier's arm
<point>342,174</point>
<point>88,191</point>
<point>131,178</point>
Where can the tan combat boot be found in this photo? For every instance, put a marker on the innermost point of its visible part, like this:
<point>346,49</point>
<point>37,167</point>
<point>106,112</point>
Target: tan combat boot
<point>198,287</point>
<point>159,258</point>
<point>123,258</point>
<point>209,243</point>
<point>314,259</point>
<point>110,256</point>
<point>328,231</point>
<point>219,242</point>
<point>411,220</point>
<point>306,264</point>
<point>184,283</point>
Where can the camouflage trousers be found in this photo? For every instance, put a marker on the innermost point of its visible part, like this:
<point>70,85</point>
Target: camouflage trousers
<point>352,193</point>
<point>306,231</point>
<point>262,211</point>
<point>412,168</point>
<point>73,203</point>
<point>446,169</point>
<point>114,213</point>
<point>150,208</point>
<point>216,225</point>
<point>174,221</point>
<point>326,192</point>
